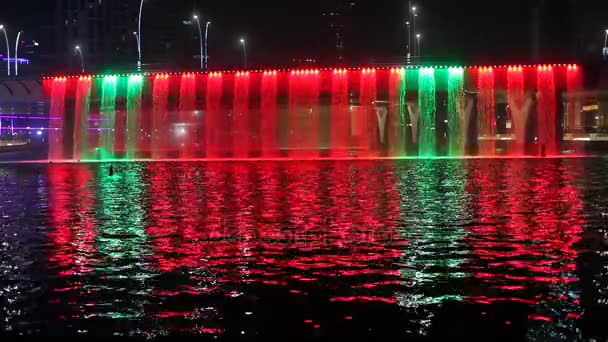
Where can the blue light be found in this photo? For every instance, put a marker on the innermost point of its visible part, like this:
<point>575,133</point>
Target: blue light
<point>39,133</point>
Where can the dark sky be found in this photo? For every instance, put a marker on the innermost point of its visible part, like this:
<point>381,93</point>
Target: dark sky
<point>471,31</point>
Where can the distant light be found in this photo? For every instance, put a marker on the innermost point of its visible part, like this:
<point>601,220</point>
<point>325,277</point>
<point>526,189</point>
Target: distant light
<point>36,44</point>
<point>1,27</point>
<point>242,41</point>
<point>195,16</point>
<point>39,133</point>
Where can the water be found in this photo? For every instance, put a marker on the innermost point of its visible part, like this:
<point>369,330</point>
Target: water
<point>312,114</point>
<point>313,249</point>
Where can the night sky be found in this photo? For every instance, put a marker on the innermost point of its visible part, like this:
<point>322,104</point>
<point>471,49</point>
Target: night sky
<point>471,31</point>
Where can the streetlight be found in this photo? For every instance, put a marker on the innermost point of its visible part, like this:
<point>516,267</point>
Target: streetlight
<point>141,8</point>
<point>606,46</point>
<point>206,46</point>
<point>79,51</point>
<point>136,38</point>
<point>17,54</point>
<point>8,50</point>
<point>244,44</point>
<point>418,36</point>
<point>200,38</point>
<point>414,16</point>
<point>409,39</point>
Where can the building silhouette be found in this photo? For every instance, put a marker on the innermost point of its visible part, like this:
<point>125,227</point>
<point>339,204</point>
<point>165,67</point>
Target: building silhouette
<point>102,29</point>
<point>336,31</point>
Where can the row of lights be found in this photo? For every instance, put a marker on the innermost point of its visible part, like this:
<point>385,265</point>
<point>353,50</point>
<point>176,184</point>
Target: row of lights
<point>305,72</point>
<point>516,68</point>
<point>242,73</point>
<point>335,71</point>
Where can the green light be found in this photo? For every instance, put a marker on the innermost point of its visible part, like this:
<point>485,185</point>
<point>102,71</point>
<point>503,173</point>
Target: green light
<point>428,107</point>
<point>108,112</point>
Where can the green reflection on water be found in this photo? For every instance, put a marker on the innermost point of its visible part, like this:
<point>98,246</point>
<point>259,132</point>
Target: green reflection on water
<point>434,210</point>
<point>122,240</point>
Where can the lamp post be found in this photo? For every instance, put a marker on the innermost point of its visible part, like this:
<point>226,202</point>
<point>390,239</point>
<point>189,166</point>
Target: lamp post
<point>17,54</point>
<point>8,50</point>
<point>606,46</point>
<point>141,8</point>
<point>136,39</point>
<point>79,51</point>
<point>244,44</point>
<point>206,46</point>
<point>418,36</point>
<point>409,40</point>
<point>414,15</point>
<point>200,38</point>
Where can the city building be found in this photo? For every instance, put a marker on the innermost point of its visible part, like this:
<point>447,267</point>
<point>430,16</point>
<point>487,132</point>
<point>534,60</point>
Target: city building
<point>336,31</point>
<point>102,29</point>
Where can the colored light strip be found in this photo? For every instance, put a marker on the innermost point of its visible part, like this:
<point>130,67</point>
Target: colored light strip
<point>40,118</point>
<point>240,73</point>
<point>51,129</point>
<point>28,117</point>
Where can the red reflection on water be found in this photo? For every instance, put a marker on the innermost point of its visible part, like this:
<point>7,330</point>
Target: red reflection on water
<point>518,255</point>
<point>72,220</point>
<point>240,221</point>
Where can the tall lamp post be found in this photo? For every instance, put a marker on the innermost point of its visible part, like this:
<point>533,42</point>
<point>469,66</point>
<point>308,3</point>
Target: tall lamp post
<point>244,44</point>
<point>200,38</point>
<point>17,53</point>
<point>141,8</point>
<point>206,45</point>
<point>409,40</point>
<point>79,51</point>
<point>418,36</point>
<point>606,46</point>
<point>414,15</point>
<point>8,50</point>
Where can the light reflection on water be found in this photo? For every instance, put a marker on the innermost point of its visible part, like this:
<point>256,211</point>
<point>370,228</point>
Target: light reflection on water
<point>514,247</point>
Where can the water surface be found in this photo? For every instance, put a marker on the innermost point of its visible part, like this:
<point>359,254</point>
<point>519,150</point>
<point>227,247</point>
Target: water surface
<point>313,249</point>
